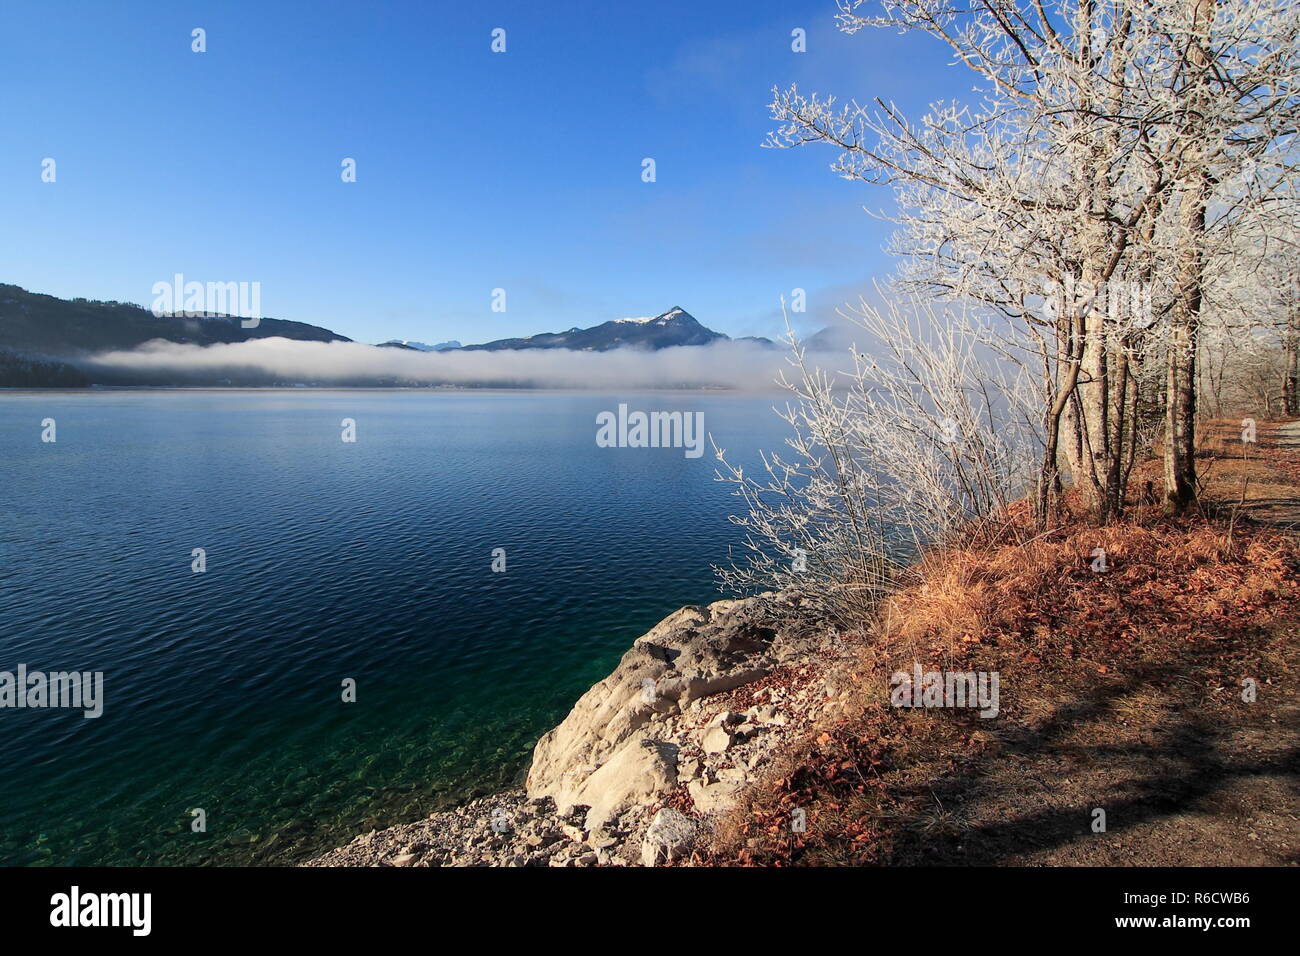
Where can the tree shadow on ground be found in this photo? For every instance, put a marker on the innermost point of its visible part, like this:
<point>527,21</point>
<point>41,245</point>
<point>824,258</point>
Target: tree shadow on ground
<point>1033,796</point>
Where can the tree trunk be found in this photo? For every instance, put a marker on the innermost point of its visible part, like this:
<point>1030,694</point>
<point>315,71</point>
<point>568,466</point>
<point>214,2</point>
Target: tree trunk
<point>1185,320</point>
<point>1180,409</point>
<point>1180,382</point>
<point>1291,375</point>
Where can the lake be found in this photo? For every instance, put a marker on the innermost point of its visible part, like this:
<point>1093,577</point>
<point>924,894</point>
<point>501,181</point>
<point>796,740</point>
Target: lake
<point>325,561</point>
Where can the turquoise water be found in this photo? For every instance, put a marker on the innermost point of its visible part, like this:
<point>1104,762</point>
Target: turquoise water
<point>326,560</point>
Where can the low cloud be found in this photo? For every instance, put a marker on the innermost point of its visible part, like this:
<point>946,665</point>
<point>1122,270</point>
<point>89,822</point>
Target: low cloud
<point>736,365</point>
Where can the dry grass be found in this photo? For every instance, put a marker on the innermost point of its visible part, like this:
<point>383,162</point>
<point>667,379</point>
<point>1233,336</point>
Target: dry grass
<point>1183,577</point>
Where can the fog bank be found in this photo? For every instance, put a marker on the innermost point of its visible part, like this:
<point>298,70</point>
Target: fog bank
<point>267,361</point>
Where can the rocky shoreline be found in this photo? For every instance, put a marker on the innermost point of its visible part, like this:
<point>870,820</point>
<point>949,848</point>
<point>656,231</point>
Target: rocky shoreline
<point>649,758</point>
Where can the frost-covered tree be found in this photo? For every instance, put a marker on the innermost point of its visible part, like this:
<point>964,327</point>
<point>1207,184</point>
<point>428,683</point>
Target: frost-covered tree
<point>1077,196</point>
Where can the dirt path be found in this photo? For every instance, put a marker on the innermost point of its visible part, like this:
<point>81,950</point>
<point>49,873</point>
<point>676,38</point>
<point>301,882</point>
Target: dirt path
<point>1182,781</point>
<point>1255,484</point>
<point>1187,774</point>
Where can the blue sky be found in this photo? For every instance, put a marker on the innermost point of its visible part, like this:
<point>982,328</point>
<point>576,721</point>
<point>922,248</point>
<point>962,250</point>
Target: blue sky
<point>475,170</point>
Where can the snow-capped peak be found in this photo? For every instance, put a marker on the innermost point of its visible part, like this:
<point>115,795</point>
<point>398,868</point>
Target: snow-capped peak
<point>662,318</point>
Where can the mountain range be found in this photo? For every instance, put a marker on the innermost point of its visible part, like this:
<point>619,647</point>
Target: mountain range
<point>38,324</point>
<point>43,338</point>
<point>419,346</point>
<point>676,327</point>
